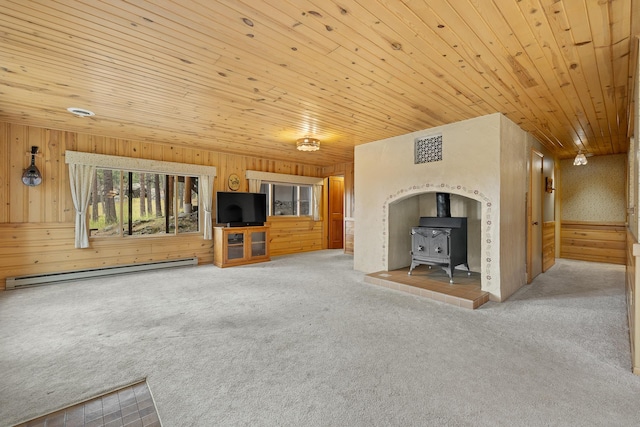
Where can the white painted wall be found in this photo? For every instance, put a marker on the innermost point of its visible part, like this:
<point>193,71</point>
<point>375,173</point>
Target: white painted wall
<point>403,215</point>
<point>385,175</point>
<point>514,158</point>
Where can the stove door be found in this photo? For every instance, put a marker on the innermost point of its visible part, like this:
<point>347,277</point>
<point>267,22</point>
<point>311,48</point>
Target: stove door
<point>430,244</point>
<point>420,244</point>
<point>439,244</point>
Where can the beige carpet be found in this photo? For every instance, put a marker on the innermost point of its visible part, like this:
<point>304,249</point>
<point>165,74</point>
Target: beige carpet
<point>303,341</point>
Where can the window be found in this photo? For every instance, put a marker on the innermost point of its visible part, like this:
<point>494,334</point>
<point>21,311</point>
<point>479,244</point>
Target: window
<point>291,195</point>
<point>136,203</point>
<point>82,171</point>
<point>287,199</point>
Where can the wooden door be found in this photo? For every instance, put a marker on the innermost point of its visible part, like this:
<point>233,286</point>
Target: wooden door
<point>336,212</point>
<point>534,229</point>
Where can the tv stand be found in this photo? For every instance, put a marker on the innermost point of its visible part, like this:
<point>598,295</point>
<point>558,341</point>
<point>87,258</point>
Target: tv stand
<point>240,245</point>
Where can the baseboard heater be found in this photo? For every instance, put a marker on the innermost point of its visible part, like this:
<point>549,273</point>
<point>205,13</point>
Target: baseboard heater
<point>47,278</point>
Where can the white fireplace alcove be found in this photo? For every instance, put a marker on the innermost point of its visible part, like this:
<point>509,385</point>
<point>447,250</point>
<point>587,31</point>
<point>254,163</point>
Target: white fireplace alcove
<point>404,213</point>
<point>482,164</point>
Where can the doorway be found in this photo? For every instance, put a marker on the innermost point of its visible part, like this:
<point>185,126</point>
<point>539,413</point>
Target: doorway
<point>534,216</point>
<point>336,212</point>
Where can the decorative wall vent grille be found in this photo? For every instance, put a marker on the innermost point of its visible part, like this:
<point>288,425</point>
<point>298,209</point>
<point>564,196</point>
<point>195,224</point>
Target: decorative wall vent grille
<point>428,149</point>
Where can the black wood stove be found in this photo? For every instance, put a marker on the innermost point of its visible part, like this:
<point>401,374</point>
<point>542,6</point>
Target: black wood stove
<point>440,241</point>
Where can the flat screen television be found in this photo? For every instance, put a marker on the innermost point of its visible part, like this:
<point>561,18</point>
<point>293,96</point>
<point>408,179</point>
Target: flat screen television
<point>241,209</point>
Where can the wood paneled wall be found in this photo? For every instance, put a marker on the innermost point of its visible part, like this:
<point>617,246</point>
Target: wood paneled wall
<point>597,242</point>
<point>290,235</point>
<point>37,248</point>
<point>548,244</point>
<point>37,223</point>
<point>633,300</point>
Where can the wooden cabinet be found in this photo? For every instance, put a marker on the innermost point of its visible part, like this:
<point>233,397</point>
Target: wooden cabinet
<point>240,245</point>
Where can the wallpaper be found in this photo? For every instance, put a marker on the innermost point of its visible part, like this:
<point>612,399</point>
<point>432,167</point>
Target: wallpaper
<point>595,191</point>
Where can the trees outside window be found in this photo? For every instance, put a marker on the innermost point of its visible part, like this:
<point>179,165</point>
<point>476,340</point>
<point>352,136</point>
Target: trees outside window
<point>126,203</point>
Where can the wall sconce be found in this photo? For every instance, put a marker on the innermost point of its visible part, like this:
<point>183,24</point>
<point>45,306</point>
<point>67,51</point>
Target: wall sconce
<point>31,175</point>
<point>548,184</point>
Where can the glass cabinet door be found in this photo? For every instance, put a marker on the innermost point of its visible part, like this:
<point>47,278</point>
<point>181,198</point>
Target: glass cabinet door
<point>258,243</point>
<point>235,246</point>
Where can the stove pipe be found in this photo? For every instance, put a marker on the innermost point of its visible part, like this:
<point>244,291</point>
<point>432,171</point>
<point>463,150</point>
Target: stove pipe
<point>443,205</point>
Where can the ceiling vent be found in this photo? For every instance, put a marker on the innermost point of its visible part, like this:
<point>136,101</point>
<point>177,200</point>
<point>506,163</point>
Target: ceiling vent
<point>80,112</point>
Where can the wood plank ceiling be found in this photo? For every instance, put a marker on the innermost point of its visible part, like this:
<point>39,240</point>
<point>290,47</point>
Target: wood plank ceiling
<point>252,76</point>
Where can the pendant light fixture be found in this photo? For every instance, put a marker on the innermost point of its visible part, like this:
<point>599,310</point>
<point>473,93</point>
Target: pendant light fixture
<point>580,159</point>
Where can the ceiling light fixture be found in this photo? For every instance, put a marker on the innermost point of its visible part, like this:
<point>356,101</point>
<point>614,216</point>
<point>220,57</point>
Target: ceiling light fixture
<point>80,112</point>
<point>580,159</point>
<point>308,144</point>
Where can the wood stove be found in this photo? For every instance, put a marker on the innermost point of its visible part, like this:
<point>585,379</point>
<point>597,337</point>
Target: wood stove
<point>440,241</point>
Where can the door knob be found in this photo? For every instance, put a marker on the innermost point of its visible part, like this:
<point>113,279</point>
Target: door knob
<point>535,223</point>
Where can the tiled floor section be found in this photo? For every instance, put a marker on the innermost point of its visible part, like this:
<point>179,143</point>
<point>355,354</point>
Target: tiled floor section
<point>128,407</point>
<point>434,283</point>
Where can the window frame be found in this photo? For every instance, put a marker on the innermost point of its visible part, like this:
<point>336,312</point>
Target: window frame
<point>258,177</point>
<point>170,229</point>
<point>78,159</point>
<point>297,187</point>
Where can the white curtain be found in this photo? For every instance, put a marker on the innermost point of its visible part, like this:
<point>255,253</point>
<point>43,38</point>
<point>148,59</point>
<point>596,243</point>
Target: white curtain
<point>206,192</point>
<point>254,185</point>
<point>317,196</point>
<point>80,180</point>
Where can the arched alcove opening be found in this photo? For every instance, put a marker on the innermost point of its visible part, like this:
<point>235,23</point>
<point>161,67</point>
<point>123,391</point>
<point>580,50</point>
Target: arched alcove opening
<point>403,213</point>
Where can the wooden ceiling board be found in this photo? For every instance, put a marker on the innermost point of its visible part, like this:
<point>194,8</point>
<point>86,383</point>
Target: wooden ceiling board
<point>461,60</point>
<point>551,74</point>
<point>436,74</point>
<point>562,55</point>
<point>582,33</point>
<point>249,77</point>
<point>420,49</point>
<point>620,41</point>
<point>603,49</point>
<point>359,56</point>
<point>496,45</point>
<point>540,120</point>
<point>314,94</point>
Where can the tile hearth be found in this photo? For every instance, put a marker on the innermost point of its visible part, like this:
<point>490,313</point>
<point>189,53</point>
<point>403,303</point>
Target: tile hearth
<point>131,406</point>
<point>434,283</point>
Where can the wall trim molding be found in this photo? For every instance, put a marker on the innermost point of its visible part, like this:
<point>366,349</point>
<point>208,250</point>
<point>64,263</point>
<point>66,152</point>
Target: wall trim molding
<point>283,177</point>
<point>106,161</point>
